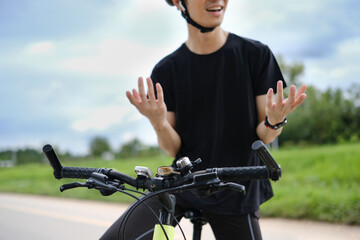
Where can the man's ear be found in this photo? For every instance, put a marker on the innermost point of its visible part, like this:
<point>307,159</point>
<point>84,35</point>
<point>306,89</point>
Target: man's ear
<point>182,7</point>
<point>179,5</point>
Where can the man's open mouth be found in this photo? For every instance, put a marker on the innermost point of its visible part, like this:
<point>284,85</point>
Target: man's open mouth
<point>215,9</point>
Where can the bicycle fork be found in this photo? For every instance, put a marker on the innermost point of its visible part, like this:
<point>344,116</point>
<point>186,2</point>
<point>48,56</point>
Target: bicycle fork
<point>168,202</point>
<point>167,211</point>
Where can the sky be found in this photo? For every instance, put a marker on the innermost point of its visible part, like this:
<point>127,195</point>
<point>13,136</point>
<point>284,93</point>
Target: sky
<point>65,65</point>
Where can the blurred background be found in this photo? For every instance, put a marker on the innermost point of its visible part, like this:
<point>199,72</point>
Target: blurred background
<point>65,66</point>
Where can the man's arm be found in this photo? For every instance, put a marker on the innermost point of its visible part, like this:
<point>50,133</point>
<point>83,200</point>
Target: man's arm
<point>155,110</point>
<point>168,139</point>
<point>276,111</point>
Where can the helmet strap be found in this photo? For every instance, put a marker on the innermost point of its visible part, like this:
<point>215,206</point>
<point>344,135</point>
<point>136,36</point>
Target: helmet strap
<point>187,17</point>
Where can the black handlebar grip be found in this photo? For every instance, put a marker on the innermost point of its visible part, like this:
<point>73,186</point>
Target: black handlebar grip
<point>54,161</point>
<point>78,172</point>
<point>265,156</point>
<point>267,159</point>
<point>242,173</point>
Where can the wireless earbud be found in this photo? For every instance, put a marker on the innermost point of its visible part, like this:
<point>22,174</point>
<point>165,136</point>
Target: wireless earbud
<point>182,6</point>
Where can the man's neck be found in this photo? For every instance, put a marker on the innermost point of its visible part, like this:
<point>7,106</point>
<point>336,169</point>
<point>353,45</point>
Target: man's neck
<point>206,43</point>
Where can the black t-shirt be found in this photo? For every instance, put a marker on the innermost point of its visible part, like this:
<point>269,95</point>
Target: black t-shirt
<point>213,97</point>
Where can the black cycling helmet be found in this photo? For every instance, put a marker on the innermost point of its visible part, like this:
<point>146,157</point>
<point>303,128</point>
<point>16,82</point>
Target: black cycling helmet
<point>186,15</point>
<point>170,2</point>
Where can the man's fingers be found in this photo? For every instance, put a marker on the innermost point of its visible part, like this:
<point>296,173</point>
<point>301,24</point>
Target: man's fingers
<point>142,93</point>
<point>129,96</point>
<point>291,97</point>
<point>299,97</point>
<point>269,98</point>
<point>160,93</point>
<point>151,92</point>
<point>279,94</point>
<point>136,95</point>
<point>281,107</point>
<point>289,105</point>
<point>132,99</point>
<point>299,100</point>
<point>300,91</point>
<point>149,106</point>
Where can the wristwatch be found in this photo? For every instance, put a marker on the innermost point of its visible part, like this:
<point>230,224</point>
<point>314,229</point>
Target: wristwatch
<point>276,126</point>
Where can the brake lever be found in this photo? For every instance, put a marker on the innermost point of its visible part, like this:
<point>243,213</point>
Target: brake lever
<point>202,192</point>
<point>207,183</point>
<point>96,183</point>
<point>97,180</point>
<point>72,185</point>
<point>233,186</point>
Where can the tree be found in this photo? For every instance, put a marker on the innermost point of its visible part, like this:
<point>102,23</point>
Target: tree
<point>131,149</point>
<point>29,156</point>
<point>135,148</point>
<point>99,145</point>
<point>328,116</point>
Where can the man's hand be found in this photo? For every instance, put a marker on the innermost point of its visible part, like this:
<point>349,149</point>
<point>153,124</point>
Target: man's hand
<point>278,110</point>
<point>155,110</point>
<point>152,108</point>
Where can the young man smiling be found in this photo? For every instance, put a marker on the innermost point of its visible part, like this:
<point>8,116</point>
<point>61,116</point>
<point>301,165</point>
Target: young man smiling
<point>211,99</point>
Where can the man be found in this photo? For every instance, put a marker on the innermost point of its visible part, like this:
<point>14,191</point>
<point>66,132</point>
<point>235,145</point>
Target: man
<point>211,99</point>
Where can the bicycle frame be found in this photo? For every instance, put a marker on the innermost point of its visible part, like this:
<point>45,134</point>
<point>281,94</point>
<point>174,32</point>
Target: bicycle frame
<point>168,229</point>
<point>160,234</point>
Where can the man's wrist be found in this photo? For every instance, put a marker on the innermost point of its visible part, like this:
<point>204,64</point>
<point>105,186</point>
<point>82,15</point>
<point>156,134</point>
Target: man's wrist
<point>159,126</point>
<point>274,126</point>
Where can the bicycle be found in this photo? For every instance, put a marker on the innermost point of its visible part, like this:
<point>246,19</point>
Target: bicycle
<point>167,180</point>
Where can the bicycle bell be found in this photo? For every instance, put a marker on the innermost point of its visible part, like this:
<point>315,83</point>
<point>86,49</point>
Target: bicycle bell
<point>143,171</point>
<point>184,162</point>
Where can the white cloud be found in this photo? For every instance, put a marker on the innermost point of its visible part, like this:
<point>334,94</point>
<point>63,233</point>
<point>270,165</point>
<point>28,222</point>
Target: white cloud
<point>339,69</point>
<point>117,57</point>
<point>102,118</point>
<point>146,6</point>
<point>40,47</point>
<point>350,49</point>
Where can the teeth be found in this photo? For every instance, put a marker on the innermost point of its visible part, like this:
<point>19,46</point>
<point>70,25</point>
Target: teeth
<point>215,9</point>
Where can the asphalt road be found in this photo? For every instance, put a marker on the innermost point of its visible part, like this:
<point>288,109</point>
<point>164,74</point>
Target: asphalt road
<point>46,218</point>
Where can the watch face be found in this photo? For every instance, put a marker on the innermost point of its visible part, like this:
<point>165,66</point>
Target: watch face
<point>276,126</point>
<point>279,125</point>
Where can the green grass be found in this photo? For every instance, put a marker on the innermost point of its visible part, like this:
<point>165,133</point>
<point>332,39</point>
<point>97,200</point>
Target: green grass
<point>318,183</point>
<point>38,178</point>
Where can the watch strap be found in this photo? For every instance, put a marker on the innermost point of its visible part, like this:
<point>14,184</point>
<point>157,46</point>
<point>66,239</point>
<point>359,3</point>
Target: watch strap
<point>276,126</point>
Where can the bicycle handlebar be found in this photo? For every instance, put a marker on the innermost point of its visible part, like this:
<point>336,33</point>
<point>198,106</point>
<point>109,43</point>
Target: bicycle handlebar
<point>54,161</point>
<point>243,173</point>
<point>267,159</point>
<point>168,180</point>
<point>271,170</point>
